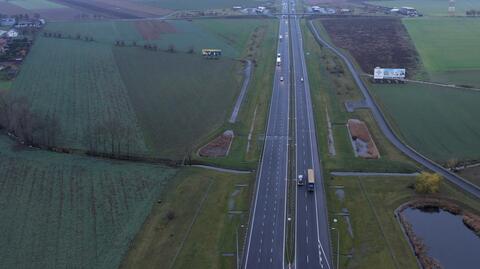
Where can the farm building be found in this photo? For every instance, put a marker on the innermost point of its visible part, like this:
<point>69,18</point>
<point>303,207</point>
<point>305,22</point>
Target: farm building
<point>260,9</point>
<point>407,11</point>
<point>11,33</point>
<point>7,22</point>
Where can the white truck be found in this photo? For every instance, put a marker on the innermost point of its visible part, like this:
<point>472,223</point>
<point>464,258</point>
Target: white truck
<point>279,60</point>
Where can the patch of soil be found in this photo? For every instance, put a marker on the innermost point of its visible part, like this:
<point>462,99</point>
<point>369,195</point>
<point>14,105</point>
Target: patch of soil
<point>219,146</point>
<point>115,8</point>
<point>374,41</point>
<point>365,146</point>
<point>135,7</point>
<point>152,29</point>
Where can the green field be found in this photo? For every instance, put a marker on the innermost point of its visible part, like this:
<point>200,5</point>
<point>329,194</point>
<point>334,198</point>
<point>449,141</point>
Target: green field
<point>213,230</point>
<point>377,241</point>
<point>162,103</point>
<point>257,99</point>
<point>204,4</point>
<point>35,4</point>
<point>65,211</point>
<point>181,104</point>
<point>439,122</point>
<point>199,34</point>
<point>446,44</point>
<point>78,83</point>
<point>431,7</point>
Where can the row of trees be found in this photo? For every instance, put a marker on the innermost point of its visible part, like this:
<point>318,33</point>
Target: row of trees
<point>29,128</point>
<point>67,36</point>
<point>111,137</point>
<point>170,48</point>
<point>472,12</point>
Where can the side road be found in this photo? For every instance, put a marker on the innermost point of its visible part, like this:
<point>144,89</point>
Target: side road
<point>387,130</point>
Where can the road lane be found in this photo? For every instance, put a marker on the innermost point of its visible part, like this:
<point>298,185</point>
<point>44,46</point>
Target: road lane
<point>265,245</point>
<point>312,234</point>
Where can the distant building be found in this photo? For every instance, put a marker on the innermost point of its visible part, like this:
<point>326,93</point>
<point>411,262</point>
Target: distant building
<point>12,33</point>
<point>7,22</point>
<point>260,9</point>
<point>408,11</point>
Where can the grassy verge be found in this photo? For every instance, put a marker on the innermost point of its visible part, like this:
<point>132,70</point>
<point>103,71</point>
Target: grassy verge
<point>257,99</point>
<point>377,241</point>
<point>331,86</point>
<point>201,228</point>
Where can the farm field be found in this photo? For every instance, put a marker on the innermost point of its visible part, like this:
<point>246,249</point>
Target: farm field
<point>448,48</point>
<point>47,9</point>
<point>201,198</point>
<point>70,211</point>
<point>79,84</point>
<point>330,88</point>
<point>202,5</point>
<point>439,122</point>
<point>188,106</point>
<point>35,4</point>
<point>377,241</point>
<point>115,96</point>
<point>431,7</point>
<point>373,41</point>
<point>446,44</point>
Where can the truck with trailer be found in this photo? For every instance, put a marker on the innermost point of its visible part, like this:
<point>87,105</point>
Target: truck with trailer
<point>311,180</point>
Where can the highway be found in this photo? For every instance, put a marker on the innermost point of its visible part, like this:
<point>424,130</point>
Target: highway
<point>265,244</point>
<point>312,234</point>
<point>387,130</point>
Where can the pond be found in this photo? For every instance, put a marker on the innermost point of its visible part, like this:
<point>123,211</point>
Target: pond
<point>447,239</point>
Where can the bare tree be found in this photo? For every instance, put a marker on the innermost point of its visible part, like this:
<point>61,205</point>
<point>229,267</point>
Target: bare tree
<point>171,48</point>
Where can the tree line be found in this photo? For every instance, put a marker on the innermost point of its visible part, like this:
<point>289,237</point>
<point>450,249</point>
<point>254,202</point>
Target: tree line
<point>107,138</point>
<point>472,12</point>
<point>170,48</point>
<point>29,128</point>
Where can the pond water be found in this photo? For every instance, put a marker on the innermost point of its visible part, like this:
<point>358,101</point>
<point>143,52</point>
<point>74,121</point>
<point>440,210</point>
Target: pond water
<point>447,239</point>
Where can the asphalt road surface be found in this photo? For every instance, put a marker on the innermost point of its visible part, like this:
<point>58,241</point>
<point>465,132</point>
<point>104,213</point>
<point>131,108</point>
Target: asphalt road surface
<point>265,246</point>
<point>312,234</point>
<point>388,132</point>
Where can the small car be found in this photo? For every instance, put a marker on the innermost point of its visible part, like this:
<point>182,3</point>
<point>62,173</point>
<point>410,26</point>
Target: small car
<point>300,181</point>
<point>281,78</point>
<point>301,79</point>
